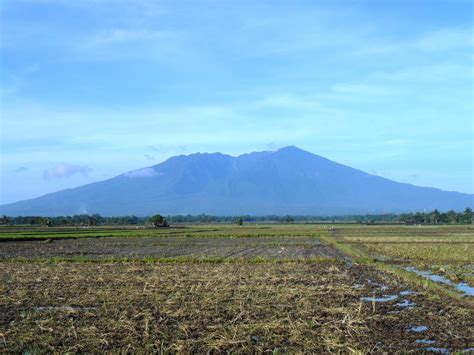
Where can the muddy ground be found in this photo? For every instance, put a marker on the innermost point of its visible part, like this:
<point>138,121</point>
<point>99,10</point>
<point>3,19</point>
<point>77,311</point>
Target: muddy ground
<point>169,247</point>
<point>289,300</point>
<point>289,307</point>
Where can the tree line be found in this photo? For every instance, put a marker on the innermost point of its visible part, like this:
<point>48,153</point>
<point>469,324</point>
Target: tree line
<point>437,217</point>
<point>76,220</point>
<point>433,217</point>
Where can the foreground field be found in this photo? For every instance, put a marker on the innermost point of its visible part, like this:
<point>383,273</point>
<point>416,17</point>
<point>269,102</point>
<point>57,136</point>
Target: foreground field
<point>258,288</point>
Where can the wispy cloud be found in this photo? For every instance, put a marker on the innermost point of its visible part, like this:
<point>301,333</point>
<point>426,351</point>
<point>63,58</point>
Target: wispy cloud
<point>362,89</point>
<point>287,100</point>
<point>64,170</point>
<point>123,35</point>
<point>166,148</point>
<point>13,84</point>
<point>21,169</point>
<point>439,40</point>
<point>116,44</point>
<point>149,157</point>
<point>429,73</point>
<point>142,173</point>
<point>445,39</point>
<point>275,145</point>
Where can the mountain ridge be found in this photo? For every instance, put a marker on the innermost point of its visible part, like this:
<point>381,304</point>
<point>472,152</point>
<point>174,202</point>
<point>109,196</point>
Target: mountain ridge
<point>286,181</point>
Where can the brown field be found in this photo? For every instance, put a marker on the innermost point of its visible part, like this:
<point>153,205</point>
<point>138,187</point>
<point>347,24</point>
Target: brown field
<point>279,288</point>
<point>170,247</point>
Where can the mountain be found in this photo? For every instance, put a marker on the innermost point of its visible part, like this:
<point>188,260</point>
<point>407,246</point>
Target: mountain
<point>287,181</point>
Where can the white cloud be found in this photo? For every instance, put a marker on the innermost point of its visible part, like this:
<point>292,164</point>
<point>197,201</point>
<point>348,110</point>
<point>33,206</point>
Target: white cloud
<point>142,173</point>
<point>64,170</point>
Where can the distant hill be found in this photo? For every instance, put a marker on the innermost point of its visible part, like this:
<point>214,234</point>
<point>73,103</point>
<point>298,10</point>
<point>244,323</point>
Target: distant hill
<point>287,181</point>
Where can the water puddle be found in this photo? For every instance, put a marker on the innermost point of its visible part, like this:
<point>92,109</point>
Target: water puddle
<point>438,350</point>
<point>425,341</point>
<point>406,304</point>
<point>418,328</point>
<point>379,299</point>
<point>465,288</point>
<point>429,275</point>
<point>462,287</point>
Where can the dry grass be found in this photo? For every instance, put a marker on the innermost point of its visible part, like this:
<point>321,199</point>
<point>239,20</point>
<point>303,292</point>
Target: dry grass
<point>204,296</point>
<point>434,252</point>
<point>286,307</point>
<point>446,250</point>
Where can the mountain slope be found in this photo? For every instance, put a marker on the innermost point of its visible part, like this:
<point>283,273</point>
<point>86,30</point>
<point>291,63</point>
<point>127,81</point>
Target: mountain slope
<point>288,181</point>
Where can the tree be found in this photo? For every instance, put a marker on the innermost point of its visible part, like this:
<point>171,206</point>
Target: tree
<point>239,221</point>
<point>452,216</point>
<point>95,219</point>
<point>418,217</point>
<point>434,216</point>
<point>468,216</point>
<point>158,221</point>
<point>5,220</point>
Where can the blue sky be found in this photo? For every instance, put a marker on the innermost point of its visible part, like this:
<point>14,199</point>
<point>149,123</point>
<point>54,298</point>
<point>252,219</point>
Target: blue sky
<point>91,89</point>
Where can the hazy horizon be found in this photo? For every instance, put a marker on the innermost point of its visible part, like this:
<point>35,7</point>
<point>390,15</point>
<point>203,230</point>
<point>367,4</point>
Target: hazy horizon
<point>96,88</point>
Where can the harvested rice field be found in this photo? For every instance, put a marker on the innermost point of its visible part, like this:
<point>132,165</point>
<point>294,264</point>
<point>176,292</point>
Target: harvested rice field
<point>279,288</point>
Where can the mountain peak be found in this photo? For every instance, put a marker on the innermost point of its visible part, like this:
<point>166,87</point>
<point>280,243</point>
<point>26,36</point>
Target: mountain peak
<point>287,181</point>
<point>292,152</point>
<point>291,148</point>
